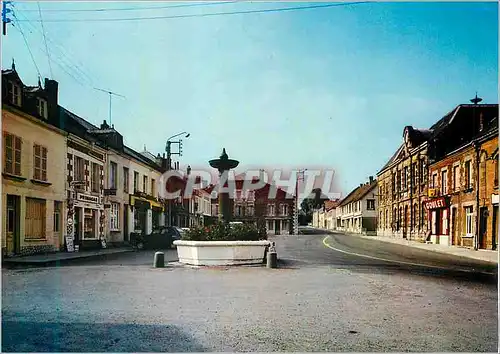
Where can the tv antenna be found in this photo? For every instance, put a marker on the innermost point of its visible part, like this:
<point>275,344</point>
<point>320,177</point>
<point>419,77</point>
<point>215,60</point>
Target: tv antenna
<point>110,93</point>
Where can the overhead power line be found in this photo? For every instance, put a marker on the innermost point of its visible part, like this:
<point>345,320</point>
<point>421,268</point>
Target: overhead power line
<point>74,64</point>
<point>29,49</point>
<point>297,8</point>
<point>45,40</point>
<point>138,8</point>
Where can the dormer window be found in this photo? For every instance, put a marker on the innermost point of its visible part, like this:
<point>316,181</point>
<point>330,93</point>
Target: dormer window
<point>14,93</point>
<point>41,106</point>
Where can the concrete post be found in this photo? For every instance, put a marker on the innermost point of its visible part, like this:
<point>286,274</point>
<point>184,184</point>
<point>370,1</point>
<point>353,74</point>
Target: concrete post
<point>272,257</point>
<point>159,260</point>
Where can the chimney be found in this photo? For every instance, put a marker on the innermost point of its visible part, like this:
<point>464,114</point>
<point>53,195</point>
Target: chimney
<point>371,179</point>
<point>189,170</point>
<point>52,90</point>
<point>104,125</point>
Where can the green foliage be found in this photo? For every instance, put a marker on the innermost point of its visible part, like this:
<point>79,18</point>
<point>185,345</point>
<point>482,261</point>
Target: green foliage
<point>224,232</point>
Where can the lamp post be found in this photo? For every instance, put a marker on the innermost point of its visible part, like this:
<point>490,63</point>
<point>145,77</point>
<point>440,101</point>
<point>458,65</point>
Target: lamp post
<point>477,148</point>
<point>168,149</point>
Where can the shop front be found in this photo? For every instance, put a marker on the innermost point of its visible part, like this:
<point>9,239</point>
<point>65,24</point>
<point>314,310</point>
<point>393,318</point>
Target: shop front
<point>438,212</point>
<point>88,221</point>
<point>146,213</point>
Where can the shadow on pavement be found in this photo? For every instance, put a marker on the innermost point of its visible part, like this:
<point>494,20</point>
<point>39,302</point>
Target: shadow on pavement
<point>53,337</point>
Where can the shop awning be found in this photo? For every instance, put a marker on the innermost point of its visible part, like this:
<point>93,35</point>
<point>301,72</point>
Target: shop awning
<point>151,203</point>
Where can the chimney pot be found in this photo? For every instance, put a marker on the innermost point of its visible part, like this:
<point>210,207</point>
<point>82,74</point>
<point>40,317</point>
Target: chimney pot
<point>371,179</point>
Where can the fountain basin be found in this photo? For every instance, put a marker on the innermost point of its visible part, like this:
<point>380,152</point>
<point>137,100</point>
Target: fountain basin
<point>221,253</point>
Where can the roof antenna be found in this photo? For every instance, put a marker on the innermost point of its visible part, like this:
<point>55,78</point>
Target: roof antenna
<point>110,93</point>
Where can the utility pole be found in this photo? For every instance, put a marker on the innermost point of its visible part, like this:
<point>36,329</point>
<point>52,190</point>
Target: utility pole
<point>168,149</point>
<point>300,176</point>
<point>5,20</point>
<point>477,148</point>
<point>110,93</point>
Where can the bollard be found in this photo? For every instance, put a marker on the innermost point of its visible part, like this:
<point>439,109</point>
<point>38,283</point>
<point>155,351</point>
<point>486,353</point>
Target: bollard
<point>272,257</point>
<point>159,261</point>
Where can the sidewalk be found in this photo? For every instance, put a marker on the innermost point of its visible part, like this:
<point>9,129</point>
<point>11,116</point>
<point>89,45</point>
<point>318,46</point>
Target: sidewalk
<point>45,259</point>
<point>483,255</point>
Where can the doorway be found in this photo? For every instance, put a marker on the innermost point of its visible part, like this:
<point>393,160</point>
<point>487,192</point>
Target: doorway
<point>13,224</point>
<point>125,223</point>
<point>453,226</point>
<point>483,222</point>
<point>494,232</point>
<point>405,222</point>
<point>277,227</point>
<point>77,226</point>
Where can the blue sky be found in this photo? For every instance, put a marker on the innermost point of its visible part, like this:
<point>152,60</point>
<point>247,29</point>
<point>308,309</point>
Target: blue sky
<point>331,86</point>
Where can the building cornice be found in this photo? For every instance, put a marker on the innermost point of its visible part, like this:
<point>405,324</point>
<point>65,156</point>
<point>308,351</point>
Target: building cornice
<point>32,119</point>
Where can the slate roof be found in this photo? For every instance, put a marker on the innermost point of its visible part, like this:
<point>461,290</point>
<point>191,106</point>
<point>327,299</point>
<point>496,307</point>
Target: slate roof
<point>358,193</point>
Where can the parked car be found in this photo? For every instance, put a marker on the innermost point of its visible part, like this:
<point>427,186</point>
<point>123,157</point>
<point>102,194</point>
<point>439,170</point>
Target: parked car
<point>159,238</point>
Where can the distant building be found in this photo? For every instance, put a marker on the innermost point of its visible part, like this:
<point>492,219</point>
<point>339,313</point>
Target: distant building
<point>357,211</point>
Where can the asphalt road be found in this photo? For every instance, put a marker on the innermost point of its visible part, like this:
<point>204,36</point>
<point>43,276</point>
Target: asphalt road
<point>319,300</point>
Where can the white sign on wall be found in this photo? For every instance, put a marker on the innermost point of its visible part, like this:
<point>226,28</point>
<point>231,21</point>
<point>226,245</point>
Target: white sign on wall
<point>494,199</point>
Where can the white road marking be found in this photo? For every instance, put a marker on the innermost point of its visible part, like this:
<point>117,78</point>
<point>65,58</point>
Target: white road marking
<point>401,262</point>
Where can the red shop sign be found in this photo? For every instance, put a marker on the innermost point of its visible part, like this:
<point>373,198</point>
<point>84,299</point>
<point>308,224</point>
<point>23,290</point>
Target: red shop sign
<point>436,203</point>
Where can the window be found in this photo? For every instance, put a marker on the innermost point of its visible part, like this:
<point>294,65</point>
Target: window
<point>113,172</point>
<point>35,219</point>
<point>399,181</point>
<point>41,107</point>
<point>57,216</point>
<point>12,148</point>
<point>370,204</point>
<point>145,184</point>
<point>468,175</point>
<point>270,209</point>
<point>250,210</point>
<point>14,93</point>
<point>284,209</point>
<point>405,178</point>
<point>239,210</point>
<point>153,182</point>
<point>40,163</point>
<point>456,177</point>
<point>468,221</point>
<point>96,178</point>
<point>114,217</point>
<point>444,182</point>
<point>79,169</point>
<point>136,181</point>
<point>434,180</point>
<point>386,218</point>
<point>495,182</point>
<point>125,180</point>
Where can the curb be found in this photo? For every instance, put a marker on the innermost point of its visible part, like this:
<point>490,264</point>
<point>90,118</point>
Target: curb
<point>17,263</point>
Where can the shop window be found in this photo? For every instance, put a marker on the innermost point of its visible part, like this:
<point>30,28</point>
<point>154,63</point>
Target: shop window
<point>90,222</point>
<point>35,219</point>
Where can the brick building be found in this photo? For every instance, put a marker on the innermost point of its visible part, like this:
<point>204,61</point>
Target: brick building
<point>402,188</point>
<point>275,213</point>
<point>463,178</point>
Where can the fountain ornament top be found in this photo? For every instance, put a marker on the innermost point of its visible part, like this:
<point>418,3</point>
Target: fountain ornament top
<point>223,163</point>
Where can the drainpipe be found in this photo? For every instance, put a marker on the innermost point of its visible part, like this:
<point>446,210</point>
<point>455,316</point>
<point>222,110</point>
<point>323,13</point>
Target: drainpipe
<point>476,234</point>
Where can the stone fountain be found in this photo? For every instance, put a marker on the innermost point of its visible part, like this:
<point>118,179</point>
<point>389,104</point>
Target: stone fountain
<point>223,164</point>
